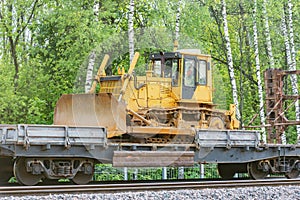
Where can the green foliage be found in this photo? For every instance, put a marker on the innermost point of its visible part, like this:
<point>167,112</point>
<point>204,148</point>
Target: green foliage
<point>105,172</point>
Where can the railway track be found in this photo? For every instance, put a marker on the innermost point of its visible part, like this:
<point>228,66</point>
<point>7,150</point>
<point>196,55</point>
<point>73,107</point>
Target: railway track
<point>152,186</point>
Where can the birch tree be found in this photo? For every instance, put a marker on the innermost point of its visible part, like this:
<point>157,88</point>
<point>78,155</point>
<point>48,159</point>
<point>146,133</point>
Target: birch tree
<point>291,34</point>
<point>292,65</point>
<point>131,52</point>
<point>258,72</point>
<point>288,56</point>
<point>177,25</point>
<point>267,33</point>
<point>96,8</point>
<point>177,34</point>
<point>89,73</point>
<point>289,64</point>
<point>229,60</point>
<point>92,57</point>
<point>131,30</point>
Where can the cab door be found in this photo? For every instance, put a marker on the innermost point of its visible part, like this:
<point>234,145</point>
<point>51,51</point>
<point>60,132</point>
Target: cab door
<point>189,77</point>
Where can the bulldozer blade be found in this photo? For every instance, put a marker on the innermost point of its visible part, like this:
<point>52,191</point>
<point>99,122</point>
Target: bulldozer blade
<point>91,110</point>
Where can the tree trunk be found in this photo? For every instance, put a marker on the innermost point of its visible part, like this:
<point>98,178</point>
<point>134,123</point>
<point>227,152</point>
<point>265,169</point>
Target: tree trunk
<point>131,30</point>
<point>96,8</point>
<point>130,38</point>
<point>12,46</point>
<point>92,58</point>
<point>15,26</point>
<point>293,61</point>
<point>177,26</point>
<point>291,34</point>
<point>258,72</point>
<point>267,34</point>
<point>229,60</point>
<point>289,64</point>
<point>89,73</point>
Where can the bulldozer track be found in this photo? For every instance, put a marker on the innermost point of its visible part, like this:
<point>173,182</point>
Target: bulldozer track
<point>169,139</point>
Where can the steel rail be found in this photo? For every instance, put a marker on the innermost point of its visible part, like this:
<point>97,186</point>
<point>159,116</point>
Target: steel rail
<point>157,186</point>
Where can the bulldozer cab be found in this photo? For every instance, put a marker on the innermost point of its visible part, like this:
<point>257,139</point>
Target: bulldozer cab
<point>189,71</point>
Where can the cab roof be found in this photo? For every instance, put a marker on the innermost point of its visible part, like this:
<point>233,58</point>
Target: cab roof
<point>166,55</point>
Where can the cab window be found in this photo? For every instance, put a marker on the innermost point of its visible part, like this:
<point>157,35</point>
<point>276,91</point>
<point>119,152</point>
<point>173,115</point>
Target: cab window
<point>157,68</point>
<point>202,72</point>
<point>175,72</point>
<point>189,72</point>
<point>170,69</point>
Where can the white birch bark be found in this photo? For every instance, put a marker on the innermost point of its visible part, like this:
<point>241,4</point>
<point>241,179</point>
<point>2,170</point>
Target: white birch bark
<point>130,37</point>
<point>267,34</point>
<point>89,73</point>
<point>286,42</point>
<point>177,23</point>
<point>258,72</point>
<point>176,45</point>
<point>293,62</point>
<point>90,67</point>
<point>289,61</point>
<point>96,10</point>
<point>291,34</point>
<point>229,60</point>
<point>288,58</point>
<point>130,30</point>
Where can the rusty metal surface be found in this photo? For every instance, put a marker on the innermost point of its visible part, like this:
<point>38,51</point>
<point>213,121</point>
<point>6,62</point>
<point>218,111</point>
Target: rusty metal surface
<point>91,110</point>
<point>153,158</point>
<point>276,103</point>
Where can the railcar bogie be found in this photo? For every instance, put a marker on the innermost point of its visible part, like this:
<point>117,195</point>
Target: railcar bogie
<point>289,166</point>
<point>30,171</point>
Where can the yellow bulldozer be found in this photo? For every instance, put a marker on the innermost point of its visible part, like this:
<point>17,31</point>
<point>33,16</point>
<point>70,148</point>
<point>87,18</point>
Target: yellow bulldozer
<point>173,98</point>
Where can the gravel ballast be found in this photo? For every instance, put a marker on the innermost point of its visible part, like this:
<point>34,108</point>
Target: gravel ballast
<point>280,192</point>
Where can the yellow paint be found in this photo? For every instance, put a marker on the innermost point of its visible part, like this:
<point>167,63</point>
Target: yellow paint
<point>203,94</point>
<point>158,92</point>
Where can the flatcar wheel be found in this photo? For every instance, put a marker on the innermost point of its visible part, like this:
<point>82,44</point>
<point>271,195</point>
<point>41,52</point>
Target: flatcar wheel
<point>225,171</point>
<point>81,178</point>
<point>293,174</point>
<point>23,177</point>
<point>255,171</point>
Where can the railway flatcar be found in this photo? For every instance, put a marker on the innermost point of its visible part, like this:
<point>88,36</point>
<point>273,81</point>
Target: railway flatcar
<point>164,118</point>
